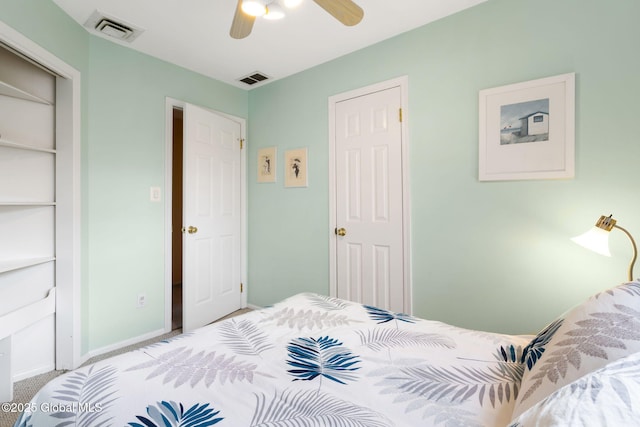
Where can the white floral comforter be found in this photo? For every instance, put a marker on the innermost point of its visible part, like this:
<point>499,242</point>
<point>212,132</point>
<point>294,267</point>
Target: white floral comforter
<point>309,360</point>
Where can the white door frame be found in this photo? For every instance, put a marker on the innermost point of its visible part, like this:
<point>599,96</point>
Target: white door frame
<point>68,193</point>
<point>403,83</point>
<point>170,104</point>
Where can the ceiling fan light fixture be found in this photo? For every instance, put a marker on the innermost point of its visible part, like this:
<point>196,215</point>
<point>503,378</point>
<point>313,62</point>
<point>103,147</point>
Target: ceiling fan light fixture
<point>290,4</point>
<point>274,11</point>
<point>254,7</point>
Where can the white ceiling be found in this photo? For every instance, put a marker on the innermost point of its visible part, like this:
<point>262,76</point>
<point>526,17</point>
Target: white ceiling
<point>194,34</point>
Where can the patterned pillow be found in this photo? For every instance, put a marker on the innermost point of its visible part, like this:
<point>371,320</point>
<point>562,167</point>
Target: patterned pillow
<point>606,397</point>
<point>604,328</point>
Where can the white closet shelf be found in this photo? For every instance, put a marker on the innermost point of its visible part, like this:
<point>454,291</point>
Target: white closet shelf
<point>17,264</point>
<point>12,91</point>
<point>18,145</point>
<point>26,203</point>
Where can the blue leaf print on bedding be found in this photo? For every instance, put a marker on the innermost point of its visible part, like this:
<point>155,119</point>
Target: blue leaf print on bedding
<point>172,414</point>
<point>325,357</point>
<point>24,420</point>
<point>534,350</point>
<point>383,316</point>
<point>511,354</point>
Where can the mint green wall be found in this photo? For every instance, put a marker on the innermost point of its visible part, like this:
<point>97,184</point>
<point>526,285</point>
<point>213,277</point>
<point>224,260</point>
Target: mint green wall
<point>506,263</point>
<point>126,156</point>
<point>123,154</point>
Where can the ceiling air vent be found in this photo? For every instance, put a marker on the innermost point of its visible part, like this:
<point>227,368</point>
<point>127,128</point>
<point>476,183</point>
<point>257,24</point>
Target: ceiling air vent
<point>253,78</point>
<point>112,27</point>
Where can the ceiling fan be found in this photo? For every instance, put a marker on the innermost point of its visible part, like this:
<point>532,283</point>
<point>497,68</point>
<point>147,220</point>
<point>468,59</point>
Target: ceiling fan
<point>345,11</point>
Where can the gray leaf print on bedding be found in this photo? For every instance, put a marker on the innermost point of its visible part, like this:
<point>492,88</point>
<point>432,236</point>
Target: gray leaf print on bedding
<point>291,408</point>
<point>182,366</point>
<point>309,319</point>
<point>383,338</point>
<point>327,303</point>
<point>87,396</point>
<point>592,337</point>
<point>455,384</point>
<point>244,337</point>
<point>615,377</point>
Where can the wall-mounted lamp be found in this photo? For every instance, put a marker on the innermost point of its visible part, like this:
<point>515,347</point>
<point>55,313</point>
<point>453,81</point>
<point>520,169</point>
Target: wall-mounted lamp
<point>597,239</point>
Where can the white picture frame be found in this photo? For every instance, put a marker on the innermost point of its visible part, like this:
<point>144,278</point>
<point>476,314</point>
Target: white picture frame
<point>295,164</point>
<point>518,139</point>
<point>267,165</point>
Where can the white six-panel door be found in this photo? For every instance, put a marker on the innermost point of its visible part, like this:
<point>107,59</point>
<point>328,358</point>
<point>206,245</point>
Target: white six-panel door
<point>212,217</point>
<point>370,250</point>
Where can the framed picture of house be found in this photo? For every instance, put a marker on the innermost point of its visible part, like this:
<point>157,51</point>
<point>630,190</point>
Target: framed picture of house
<point>527,130</point>
<point>267,164</point>
<point>295,164</point>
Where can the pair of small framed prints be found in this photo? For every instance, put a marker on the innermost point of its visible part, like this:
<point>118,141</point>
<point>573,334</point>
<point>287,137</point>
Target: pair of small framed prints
<point>295,167</point>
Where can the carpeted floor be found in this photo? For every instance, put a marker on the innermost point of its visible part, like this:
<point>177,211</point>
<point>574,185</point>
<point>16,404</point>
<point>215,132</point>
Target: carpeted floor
<point>24,390</point>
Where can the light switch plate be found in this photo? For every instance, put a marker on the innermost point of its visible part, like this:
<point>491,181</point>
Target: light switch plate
<point>155,194</point>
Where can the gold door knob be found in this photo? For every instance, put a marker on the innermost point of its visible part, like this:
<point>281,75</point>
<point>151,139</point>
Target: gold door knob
<point>191,229</point>
<point>341,232</point>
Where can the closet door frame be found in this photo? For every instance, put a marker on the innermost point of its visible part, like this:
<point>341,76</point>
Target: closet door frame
<point>68,195</point>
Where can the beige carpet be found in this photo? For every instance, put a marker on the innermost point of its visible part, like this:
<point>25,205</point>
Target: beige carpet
<point>24,390</point>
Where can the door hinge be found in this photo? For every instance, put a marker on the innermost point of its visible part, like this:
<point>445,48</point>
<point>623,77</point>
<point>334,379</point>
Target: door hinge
<point>400,115</point>
<point>241,143</point>
<point>241,288</point>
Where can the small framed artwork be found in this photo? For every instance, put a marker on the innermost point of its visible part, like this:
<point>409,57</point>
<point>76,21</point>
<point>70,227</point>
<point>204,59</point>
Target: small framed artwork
<point>527,130</point>
<point>267,164</point>
<point>295,164</point>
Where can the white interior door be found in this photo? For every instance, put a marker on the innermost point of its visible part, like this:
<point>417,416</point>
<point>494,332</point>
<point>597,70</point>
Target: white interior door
<point>212,217</point>
<point>369,242</point>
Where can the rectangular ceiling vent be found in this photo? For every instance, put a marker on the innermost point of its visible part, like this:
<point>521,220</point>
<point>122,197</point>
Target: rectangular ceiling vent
<point>112,27</point>
<point>253,78</point>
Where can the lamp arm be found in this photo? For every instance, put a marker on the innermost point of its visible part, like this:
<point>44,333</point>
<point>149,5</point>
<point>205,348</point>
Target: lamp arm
<point>635,250</point>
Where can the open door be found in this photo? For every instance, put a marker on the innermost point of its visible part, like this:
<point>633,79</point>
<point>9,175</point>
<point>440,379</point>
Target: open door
<point>211,217</point>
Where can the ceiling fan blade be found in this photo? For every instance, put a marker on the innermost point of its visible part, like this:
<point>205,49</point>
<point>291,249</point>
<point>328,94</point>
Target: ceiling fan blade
<point>344,11</point>
<point>242,23</point>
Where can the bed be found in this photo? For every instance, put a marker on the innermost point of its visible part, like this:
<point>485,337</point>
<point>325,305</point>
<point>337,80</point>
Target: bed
<point>313,360</point>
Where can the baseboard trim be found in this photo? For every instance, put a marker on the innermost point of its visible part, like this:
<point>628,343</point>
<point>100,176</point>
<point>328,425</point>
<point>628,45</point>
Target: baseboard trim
<point>120,345</point>
<point>33,372</point>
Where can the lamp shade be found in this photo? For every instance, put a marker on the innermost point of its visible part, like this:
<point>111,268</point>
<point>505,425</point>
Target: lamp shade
<point>595,239</point>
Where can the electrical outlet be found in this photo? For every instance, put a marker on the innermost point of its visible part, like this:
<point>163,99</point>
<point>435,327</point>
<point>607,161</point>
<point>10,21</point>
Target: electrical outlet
<point>142,300</point>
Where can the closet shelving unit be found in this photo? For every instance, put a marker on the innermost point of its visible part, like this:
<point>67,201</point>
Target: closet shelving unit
<point>27,221</point>
<point>7,265</point>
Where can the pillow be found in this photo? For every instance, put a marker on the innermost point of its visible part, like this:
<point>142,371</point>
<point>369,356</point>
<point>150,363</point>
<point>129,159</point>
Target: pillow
<point>606,397</point>
<point>603,329</point>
